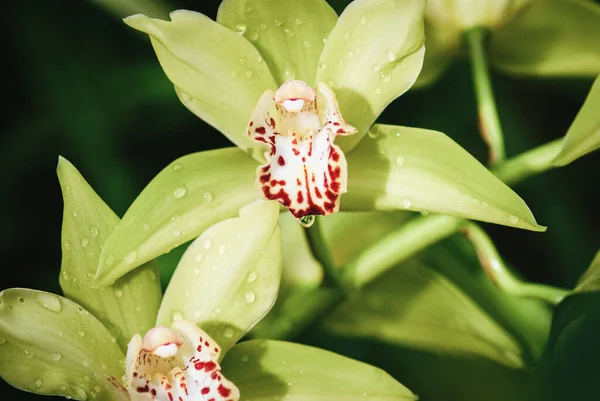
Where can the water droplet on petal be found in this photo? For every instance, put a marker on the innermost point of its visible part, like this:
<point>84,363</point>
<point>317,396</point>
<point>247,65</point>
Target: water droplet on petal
<point>240,28</point>
<point>228,332</point>
<point>177,315</point>
<point>306,43</point>
<point>207,197</point>
<point>406,203</point>
<point>222,249</point>
<point>84,242</point>
<point>245,358</point>
<point>376,67</point>
<point>131,257</point>
<point>307,220</point>
<point>85,362</point>
<point>248,74</point>
<point>391,56</point>
<point>179,192</point>
<point>29,354</point>
<point>55,356</point>
<point>249,297</point>
<point>278,23</point>
<point>176,232</point>
<point>242,60</point>
<point>298,21</point>
<point>400,160</point>
<point>93,231</point>
<point>484,204</point>
<point>386,78</point>
<point>252,276</point>
<point>378,91</point>
<point>403,65</point>
<point>263,27</point>
<point>110,259</point>
<point>513,219</point>
<point>49,302</point>
<point>199,257</point>
<point>118,293</point>
<point>80,393</point>
<point>424,213</point>
<point>66,245</point>
<point>177,167</point>
<point>253,36</point>
<point>81,333</point>
<point>38,383</point>
<point>208,243</point>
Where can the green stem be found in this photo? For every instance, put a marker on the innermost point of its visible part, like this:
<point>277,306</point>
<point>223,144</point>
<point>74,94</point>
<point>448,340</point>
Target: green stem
<point>489,123</point>
<point>527,164</point>
<point>318,247</point>
<point>501,275</point>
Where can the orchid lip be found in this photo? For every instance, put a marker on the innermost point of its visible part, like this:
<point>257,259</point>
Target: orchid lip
<point>304,171</point>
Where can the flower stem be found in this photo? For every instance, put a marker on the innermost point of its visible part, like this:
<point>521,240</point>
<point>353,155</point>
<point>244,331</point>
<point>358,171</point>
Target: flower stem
<point>501,275</point>
<point>527,164</point>
<point>489,123</point>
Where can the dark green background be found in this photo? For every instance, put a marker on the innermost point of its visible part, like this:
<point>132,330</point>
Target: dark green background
<point>79,83</point>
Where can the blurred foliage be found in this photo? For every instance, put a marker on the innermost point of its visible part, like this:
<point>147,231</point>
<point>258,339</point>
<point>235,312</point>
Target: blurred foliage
<point>81,84</point>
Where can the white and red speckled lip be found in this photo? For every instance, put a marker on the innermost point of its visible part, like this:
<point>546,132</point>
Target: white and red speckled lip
<point>178,364</point>
<point>305,171</point>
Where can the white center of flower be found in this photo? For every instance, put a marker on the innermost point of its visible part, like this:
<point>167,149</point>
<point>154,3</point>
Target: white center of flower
<point>177,364</point>
<point>305,171</point>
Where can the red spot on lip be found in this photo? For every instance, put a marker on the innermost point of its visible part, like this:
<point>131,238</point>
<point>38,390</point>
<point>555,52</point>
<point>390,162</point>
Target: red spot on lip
<point>210,366</point>
<point>300,197</point>
<point>205,390</point>
<point>281,161</point>
<point>251,124</point>
<point>260,130</point>
<point>336,123</point>
<point>340,131</point>
<point>153,392</point>
<point>206,343</point>
<point>199,365</point>
<point>144,389</point>
<point>199,349</point>
<point>272,123</point>
<point>223,391</point>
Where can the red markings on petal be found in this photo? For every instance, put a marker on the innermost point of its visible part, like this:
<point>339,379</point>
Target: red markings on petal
<point>260,130</point>
<point>223,391</point>
<point>281,161</point>
<point>205,390</point>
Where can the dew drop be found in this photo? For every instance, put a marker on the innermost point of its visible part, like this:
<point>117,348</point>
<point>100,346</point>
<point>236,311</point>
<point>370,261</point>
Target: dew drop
<point>66,245</point>
<point>29,354</point>
<point>253,36</point>
<point>85,362</point>
<point>248,73</point>
<point>93,231</point>
<point>400,160</point>
<point>81,333</point>
<point>386,78</point>
<point>208,243</point>
<point>245,358</point>
<point>233,73</point>
<point>252,276</point>
<point>176,315</point>
<point>323,66</point>
<point>222,249</point>
<point>403,65</point>
<point>38,383</point>
<point>391,56</point>
<point>513,219</point>
<point>110,259</point>
<point>84,242</point>
<point>228,332</point>
<point>131,257</point>
<point>484,204</point>
<point>118,293</point>
<point>55,356</point>
<point>406,203</point>
<point>376,67</point>
<point>307,220</point>
<point>373,134</point>
<point>145,226</point>
<point>177,167</point>
<point>49,302</point>
<point>21,300</point>
<point>298,21</point>
<point>378,91</point>
<point>346,35</point>
<point>242,60</point>
<point>86,378</point>
<point>278,23</point>
<point>240,28</point>
<point>263,27</point>
<point>306,43</point>
<point>176,232</point>
<point>207,197</point>
<point>424,213</point>
<point>179,192</point>
<point>259,59</point>
<point>80,393</point>
<point>249,297</point>
<point>199,258</point>
<point>363,20</point>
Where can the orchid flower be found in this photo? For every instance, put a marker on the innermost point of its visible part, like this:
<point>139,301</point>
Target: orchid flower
<point>284,80</point>
<point>88,345</point>
<point>516,44</point>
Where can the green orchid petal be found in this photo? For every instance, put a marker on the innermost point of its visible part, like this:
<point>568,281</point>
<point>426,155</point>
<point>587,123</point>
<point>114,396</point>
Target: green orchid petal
<point>590,280</point>
<point>442,45</point>
<point>273,370</point>
<point>129,306</point>
<point>550,38</point>
<point>415,306</point>
<point>218,74</point>
<point>289,34</point>
<point>188,196</point>
<point>50,345</point>
<point>300,268</point>
<point>583,136</point>
<point>417,169</point>
<point>373,55</point>
<point>228,278</point>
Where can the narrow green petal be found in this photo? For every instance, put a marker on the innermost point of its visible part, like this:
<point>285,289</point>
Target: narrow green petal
<point>289,34</point>
<point>413,305</point>
<point>590,281</point>
<point>129,306</point>
<point>50,345</point>
<point>373,55</point>
<point>583,136</point>
<point>550,38</point>
<point>441,46</point>
<point>188,196</point>
<point>228,278</point>
<point>219,74</point>
<point>418,169</point>
<point>273,370</point>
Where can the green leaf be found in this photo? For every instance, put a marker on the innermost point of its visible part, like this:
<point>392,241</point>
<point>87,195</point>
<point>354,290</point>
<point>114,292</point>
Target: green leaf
<point>584,134</point>
<point>267,370</point>
<point>417,169</point>
<point>550,38</point>
<point>289,34</point>
<point>442,45</point>
<point>128,306</point>
<point>373,55</point>
<point>415,306</point>
<point>590,280</point>
<point>218,74</point>
<point>228,278</point>
<point>50,345</point>
<point>188,196</point>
